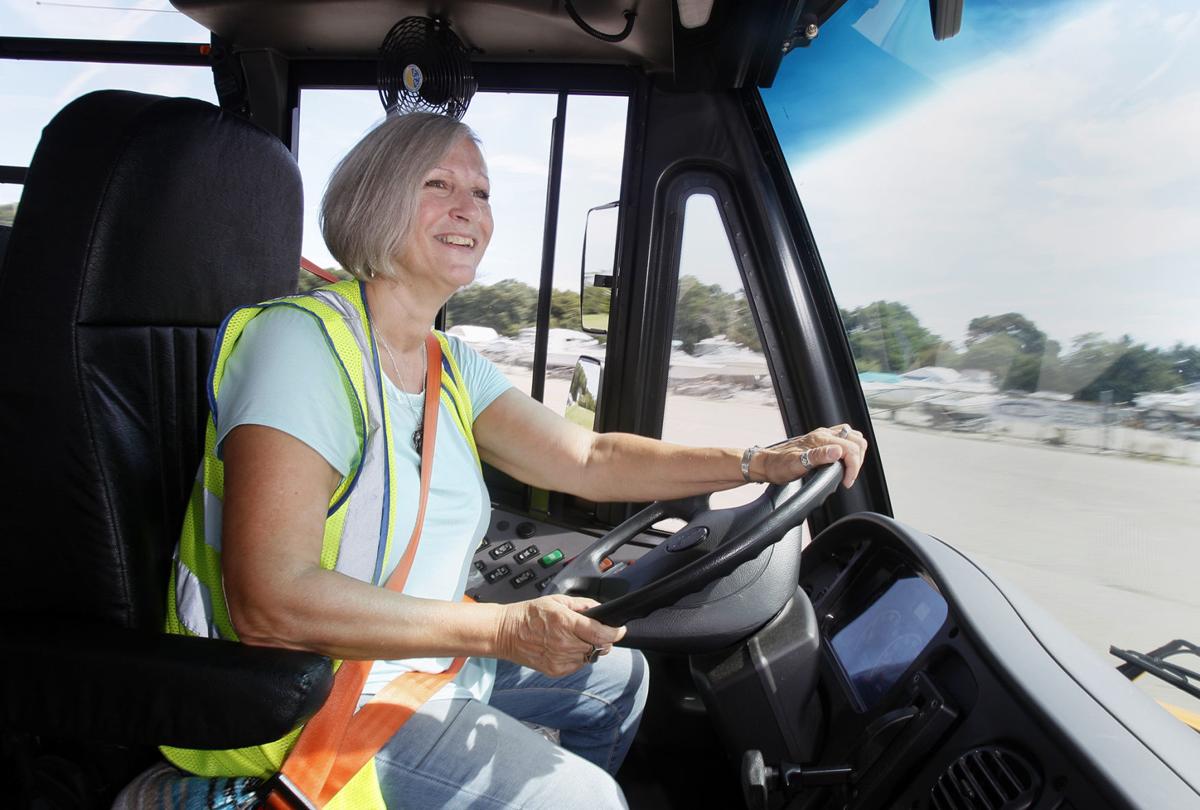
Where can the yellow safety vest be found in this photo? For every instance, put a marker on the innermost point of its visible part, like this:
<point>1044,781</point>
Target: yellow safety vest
<point>358,528</point>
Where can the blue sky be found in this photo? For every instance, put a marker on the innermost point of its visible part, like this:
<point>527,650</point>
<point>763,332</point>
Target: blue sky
<point>1053,171</point>
<point>1044,161</point>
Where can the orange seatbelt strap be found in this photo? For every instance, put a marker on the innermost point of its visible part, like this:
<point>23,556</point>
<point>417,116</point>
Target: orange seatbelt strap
<point>318,271</point>
<point>337,742</point>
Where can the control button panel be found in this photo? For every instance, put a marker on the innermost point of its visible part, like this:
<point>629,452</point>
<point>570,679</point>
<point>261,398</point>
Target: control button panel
<point>512,553</point>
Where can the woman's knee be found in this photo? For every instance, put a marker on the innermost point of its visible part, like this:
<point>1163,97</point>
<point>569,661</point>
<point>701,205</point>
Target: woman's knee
<point>629,679</point>
<point>585,785</point>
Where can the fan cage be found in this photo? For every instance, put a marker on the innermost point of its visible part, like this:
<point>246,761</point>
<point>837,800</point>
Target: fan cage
<point>446,81</point>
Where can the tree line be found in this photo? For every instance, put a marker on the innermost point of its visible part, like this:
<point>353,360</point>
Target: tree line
<point>885,336</point>
<point>508,306</point>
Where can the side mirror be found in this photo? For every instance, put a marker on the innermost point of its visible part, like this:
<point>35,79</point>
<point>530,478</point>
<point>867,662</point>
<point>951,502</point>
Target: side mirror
<point>597,270</point>
<point>584,391</point>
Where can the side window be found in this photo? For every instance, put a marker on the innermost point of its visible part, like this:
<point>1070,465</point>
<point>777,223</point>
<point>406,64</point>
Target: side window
<point>32,92</point>
<point>719,389</point>
<point>27,111</point>
<point>499,311</point>
<point>491,312</point>
<point>497,314</point>
<point>10,195</point>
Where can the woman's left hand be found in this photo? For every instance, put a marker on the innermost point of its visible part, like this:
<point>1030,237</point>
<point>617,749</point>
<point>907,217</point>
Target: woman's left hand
<point>790,460</point>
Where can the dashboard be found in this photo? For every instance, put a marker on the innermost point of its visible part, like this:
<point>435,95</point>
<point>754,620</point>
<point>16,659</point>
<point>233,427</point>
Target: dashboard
<point>943,688</point>
<point>921,678</point>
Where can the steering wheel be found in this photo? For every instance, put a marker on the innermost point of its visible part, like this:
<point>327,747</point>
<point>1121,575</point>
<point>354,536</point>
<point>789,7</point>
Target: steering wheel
<point>713,582</point>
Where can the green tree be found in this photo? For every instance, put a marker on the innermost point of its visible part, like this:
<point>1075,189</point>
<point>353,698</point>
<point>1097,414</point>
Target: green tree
<point>1121,367</point>
<point>741,323</point>
<point>1013,348</point>
<point>564,309</point>
<point>701,312</point>
<point>507,306</point>
<point>8,212</point>
<point>1030,339</point>
<point>886,336</point>
<point>995,353</point>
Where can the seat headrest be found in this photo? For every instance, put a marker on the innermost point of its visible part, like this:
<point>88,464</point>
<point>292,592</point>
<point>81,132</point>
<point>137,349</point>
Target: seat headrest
<point>135,202</point>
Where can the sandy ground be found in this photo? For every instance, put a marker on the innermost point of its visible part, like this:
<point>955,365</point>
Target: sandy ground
<point>1107,544</point>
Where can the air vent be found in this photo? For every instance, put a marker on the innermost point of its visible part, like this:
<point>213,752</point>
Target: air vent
<point>987,778</point>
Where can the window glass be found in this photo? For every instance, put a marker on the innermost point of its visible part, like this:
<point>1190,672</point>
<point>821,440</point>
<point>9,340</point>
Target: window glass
<point>515,133</point>
<point>10,196</point>
<point>719,390</point>
<point>498,313</point>
<point>153,21</point>
<point>1007,220</point>
<point>32,92</point>
<point>593,153</point>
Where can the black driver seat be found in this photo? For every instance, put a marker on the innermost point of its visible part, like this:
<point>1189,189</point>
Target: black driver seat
<point>143,221</point>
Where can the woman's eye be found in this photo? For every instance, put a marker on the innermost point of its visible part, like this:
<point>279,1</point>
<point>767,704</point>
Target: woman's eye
<point>435,183</point>
<point>483,194</point>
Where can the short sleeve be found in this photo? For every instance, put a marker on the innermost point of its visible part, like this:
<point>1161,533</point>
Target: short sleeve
<point>283,374</point>
<point>484,381</point>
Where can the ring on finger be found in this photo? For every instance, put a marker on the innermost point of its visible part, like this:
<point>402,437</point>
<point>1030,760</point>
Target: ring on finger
<point>591,655</point>
<point>805,460</point>
<point>844,432</point>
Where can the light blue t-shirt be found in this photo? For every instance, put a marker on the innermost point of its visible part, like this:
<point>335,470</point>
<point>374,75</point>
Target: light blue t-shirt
<point>283,374</point>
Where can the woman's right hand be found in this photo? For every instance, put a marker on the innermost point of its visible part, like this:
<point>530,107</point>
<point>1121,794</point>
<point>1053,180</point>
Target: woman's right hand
<point>551,634</point>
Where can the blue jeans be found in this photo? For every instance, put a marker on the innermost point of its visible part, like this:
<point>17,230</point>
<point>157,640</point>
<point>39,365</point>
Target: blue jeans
<point>463,753</point>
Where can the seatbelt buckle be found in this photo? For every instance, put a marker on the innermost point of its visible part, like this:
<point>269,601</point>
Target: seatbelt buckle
<point>281,793</point>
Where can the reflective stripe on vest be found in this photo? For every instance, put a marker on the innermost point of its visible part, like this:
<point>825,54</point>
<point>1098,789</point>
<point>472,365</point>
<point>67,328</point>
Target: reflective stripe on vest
<point>359,526</point>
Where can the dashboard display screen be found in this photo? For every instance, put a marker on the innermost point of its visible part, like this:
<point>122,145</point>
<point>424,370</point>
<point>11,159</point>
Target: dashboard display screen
<point>880,643</point>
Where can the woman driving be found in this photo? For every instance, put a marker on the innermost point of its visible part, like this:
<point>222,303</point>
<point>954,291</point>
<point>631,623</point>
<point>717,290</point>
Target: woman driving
<point>322,482</point>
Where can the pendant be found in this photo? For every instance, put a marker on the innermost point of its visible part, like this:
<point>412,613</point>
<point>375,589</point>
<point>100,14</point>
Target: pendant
<point>418,438</point>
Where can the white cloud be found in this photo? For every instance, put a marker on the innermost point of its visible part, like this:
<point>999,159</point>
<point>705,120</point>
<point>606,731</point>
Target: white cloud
<point>1061,181</point>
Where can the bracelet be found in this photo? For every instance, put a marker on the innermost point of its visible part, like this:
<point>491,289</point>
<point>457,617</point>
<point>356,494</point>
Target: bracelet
<point>747,457</point>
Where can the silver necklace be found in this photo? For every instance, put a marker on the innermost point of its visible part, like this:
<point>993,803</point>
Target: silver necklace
<point>418,435</point>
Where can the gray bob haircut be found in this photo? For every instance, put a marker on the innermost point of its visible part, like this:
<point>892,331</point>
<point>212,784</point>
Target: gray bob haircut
<point>371,200</point>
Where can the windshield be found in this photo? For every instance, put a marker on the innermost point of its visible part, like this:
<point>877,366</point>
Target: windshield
<point>1008,221</point>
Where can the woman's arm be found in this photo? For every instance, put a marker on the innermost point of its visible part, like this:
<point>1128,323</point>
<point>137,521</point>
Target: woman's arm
<point>531,443</point>
<point>276,493</point>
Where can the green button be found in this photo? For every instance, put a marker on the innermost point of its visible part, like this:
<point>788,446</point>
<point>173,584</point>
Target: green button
<point>551,558</point>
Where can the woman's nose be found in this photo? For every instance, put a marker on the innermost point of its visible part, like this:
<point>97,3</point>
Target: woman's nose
<point>464,205</point>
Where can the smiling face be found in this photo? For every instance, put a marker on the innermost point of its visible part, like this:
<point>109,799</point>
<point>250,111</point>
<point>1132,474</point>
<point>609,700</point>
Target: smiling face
<point>453,222</point>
